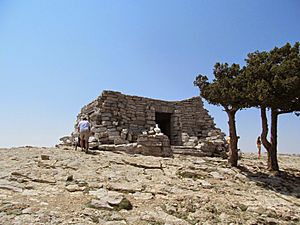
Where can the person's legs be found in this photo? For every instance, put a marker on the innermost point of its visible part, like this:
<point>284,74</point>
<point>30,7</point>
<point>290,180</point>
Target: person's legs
<point>86,145</point>
<point>259,151</point>
<point>82,140</point>
<point>86,140</point>
<point>77,143</point>
<point>83,145</point>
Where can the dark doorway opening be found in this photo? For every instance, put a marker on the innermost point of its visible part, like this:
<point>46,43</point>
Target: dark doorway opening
<point>164,122</point>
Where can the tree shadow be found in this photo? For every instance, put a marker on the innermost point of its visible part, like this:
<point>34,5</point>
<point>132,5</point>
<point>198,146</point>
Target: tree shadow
<point>283,182</point>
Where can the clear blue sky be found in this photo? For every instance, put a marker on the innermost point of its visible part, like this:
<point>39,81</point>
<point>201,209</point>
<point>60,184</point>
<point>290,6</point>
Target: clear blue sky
<point>56,56</point>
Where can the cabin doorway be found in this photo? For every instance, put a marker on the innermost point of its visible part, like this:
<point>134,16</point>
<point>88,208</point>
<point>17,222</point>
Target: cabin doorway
<point>164,122</point>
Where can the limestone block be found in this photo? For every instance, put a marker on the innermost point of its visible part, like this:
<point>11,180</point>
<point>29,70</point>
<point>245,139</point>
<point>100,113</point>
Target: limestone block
<point>93,139</point>
<point>113,133</point>
<point>119,140</point>
<point>129,137</point>
<point>104,140</point>
<point>104,118</point>
<point>93,145</point>
<point>95,130</point>
<point>103,135</point>
<point>155,145</point>
<point>106,123</point>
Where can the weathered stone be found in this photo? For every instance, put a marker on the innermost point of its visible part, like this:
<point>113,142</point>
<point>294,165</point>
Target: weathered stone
<point>75,187</point>
<point>100,204</point>
<point>110,200</point>
<point>216,175</point>
<point>119,140</point>
<point>184,122</point>
<point>158,216</point>
<point>93,145</point>
<point>70,178</point>
<point>10,187</point>
<point>155,145</point>
<point>143,196</point>
<point>45,157</point>
<point>205,184</point>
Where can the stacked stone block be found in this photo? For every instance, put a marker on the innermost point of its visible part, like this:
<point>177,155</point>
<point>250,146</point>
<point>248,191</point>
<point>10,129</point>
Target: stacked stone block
<point>155,145</point>
<point>119,119</point>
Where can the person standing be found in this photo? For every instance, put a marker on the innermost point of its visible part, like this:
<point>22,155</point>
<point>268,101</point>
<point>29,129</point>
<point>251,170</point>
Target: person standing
<point>84,129</point>
<point>228,142</point>
<point>258,144</point>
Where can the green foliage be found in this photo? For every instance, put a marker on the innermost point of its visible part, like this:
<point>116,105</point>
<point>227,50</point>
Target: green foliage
<point>269,79</point>
<point>227,89</point>
<point>273,78</point>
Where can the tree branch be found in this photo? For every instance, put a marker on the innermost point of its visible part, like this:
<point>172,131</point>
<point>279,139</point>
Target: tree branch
<point>284,111</point>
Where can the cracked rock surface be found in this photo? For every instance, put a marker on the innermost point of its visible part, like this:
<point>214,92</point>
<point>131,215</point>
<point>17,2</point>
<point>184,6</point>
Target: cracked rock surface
<point>56,186</point>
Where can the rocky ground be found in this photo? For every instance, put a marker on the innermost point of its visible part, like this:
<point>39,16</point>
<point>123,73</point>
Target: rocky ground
<point>63,186</point>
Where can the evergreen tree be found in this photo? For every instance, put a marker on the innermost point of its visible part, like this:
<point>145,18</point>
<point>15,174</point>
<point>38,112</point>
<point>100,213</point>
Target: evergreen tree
<point>273,82</point>
<point>225,90</point>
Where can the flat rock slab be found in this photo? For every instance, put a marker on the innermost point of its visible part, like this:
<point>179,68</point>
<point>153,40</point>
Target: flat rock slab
<point>10,187</point>
<point>145,162</point>
<point>126,187</point>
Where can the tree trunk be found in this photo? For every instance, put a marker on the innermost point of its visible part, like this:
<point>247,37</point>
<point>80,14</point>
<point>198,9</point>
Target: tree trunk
<point>264,133</point>
<point>233,151</point>
<point>273,163</point>
<point>271,147</point>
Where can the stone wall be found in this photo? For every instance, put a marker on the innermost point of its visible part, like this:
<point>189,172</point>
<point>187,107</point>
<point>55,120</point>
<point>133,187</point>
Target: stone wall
<point>119,119</point>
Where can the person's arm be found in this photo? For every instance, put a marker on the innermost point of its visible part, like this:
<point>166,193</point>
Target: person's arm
<point>78,127</point>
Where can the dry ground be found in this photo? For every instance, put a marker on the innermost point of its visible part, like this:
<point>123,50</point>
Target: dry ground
<point>63,186</point>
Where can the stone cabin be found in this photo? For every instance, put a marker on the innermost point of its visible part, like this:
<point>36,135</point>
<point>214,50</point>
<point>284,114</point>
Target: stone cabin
<point>116,118</point>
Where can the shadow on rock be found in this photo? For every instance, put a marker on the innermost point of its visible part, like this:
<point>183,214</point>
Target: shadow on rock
<point>282,182</point>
